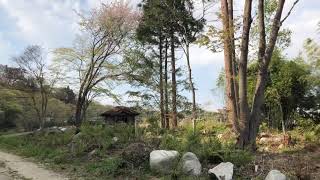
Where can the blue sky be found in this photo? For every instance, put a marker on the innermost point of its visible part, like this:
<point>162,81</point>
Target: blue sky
<point>53,24</point>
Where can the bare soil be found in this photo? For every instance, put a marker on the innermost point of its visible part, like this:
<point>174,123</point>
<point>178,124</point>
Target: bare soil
<point>13,167</point>
<point>297,165</point>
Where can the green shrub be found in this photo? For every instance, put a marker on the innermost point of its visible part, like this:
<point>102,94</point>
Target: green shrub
<point>237,157</point>
<point>170,142</point>
<point>109,166</point>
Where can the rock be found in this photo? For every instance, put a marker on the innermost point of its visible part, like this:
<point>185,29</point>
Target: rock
<point>219,136</point>
<point>263,134</point>
<point>63,129</point>
<point>115,139</point>
<point>73,144</point>
<point>275,175</point>
<point>263,140</point>
<point>224,171</point>
<point>266,149</point>
<point>191,164</point>
<point>163,161</point>
<point>277,139</point>
<point>256,167</point>
<point>136,154</point>
<point>76,136</point>
<point>92,153</point>
<point>281,146</point>
<point>52,131</point>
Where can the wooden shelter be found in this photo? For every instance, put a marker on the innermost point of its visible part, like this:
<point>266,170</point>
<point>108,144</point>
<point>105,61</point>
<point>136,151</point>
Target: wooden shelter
<point>120,114</point>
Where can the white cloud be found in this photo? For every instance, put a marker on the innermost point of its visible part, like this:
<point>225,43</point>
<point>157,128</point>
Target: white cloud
<point>303,26</point>
<point>203,56</point>
<point>5,48</point>
<point>39,22</point>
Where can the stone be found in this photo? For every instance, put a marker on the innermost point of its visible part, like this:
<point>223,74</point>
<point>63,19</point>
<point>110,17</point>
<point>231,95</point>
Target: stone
<point>281,146</point>
<point>115,139</point>
<point>191,164</point>
<point>223,171</point>
<point>63,129</point>
<point>92,153</point>
<point>73,144</point>
<point>264,134</point>
<point>264,140</point>
<point>256,167</point>
<point>275,175</point>
<point>163,161</point>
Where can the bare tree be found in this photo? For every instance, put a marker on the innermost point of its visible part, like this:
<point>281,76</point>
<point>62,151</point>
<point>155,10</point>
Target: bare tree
<point>33,63</point>
<point>97,58</point>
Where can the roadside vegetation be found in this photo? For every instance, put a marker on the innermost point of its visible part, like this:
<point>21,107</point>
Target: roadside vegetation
<point>95,153</point>
<point>50,109</point>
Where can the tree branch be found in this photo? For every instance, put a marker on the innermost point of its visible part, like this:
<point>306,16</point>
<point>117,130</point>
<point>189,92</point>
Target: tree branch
<point>294,4</point>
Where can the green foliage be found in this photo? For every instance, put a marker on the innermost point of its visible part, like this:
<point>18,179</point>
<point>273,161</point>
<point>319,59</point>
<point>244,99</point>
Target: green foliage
<point>108,166</point>
<point>100,137</point>
<point>237,157</point>
<point>170,142</point>
<point>208,148</point>
<point>287,86</point>
<point>309,129</point>
<point>47,148</point>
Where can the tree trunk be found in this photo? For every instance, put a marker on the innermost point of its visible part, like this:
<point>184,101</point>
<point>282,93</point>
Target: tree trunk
<point>166,87</point>
<point>262,75</point>
<point>78,114</point>
<point>162,118</point>
<point>243,139</point>
<point>36,109</point>
<point>248,122</point>
<point>233,55</point>
<point>174,83</point>
<point>194,107</point>
<point>230,91</point>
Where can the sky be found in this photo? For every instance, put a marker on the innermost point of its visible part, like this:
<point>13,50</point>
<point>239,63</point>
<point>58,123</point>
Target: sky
<point>54,23</point>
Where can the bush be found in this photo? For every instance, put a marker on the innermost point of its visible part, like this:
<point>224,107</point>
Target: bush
<point>109,167</point>
<point>237,157</point>
<point>170,142</point>
<point>136,154</point>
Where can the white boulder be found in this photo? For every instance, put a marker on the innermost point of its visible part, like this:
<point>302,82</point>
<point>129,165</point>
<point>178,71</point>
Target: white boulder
<point>223,171</point>
<point>191,164</point>
<point>115,139</point>
<point>163,161</point>
<point>275,175</point>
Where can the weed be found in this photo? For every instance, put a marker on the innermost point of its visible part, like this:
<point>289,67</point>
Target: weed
<point>109,167</point>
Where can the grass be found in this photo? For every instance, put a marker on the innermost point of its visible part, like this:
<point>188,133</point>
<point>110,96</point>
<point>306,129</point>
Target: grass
<point>54,150</point>
<point>108,163</point>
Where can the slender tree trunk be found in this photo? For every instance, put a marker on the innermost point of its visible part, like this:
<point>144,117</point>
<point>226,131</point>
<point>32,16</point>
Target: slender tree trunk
<point>174,83</point>
<point>36,109</point>
<point>194,107</point>
<point>243,100</point>
<point>162,116</point>
<point>78,114</point>
<point>258,100</point>
<point>230,91</point>
<point>166,87</point>
<point>80,109</point>
<point>233,55</point>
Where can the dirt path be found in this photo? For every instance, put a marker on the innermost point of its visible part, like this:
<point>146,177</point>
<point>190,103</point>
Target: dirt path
<point>13,167</point>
